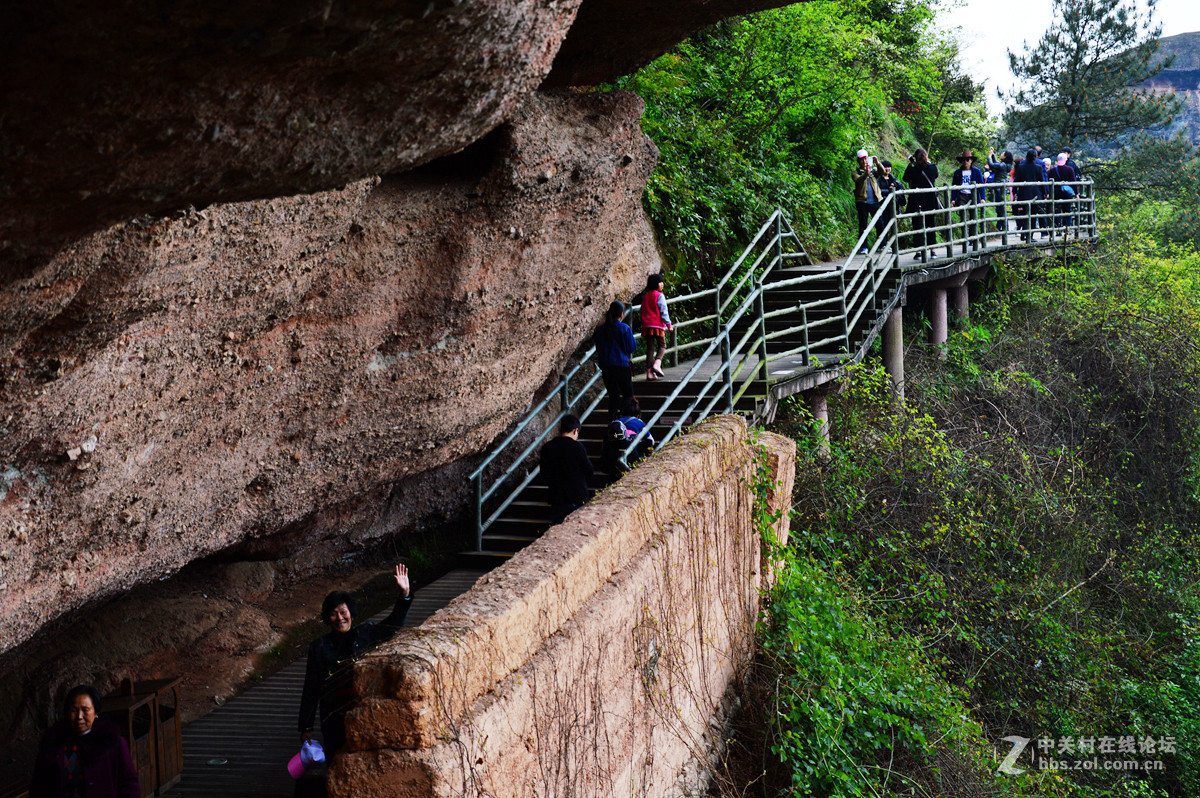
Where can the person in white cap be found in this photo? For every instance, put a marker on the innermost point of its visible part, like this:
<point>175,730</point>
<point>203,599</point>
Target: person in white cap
<point>1062,174</point>
<point>867,195</point>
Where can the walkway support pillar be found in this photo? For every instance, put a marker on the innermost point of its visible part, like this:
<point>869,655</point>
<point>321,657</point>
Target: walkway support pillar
<point>939,330</point>
<point>893,349</point>
<point>818,405</point>
<point>960,305</point>
<point>960,311</point>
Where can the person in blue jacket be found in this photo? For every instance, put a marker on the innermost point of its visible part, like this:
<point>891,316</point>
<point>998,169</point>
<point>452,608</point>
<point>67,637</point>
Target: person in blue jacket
<point>614,346</point>
<point>965,194</point>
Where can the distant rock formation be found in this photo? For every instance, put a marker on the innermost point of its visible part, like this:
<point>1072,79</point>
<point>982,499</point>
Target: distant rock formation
<point>1183,78</point>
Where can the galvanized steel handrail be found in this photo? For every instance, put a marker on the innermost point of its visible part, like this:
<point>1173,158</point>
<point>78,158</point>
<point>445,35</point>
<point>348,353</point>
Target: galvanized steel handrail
<point>570,402</point>
<point>860,279</point>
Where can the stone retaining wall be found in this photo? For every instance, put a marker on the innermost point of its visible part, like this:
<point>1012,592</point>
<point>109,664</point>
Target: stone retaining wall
<point>592,662</point>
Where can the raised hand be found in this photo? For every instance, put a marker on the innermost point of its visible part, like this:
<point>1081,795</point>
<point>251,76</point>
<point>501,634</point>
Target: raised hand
<point>402,578</point>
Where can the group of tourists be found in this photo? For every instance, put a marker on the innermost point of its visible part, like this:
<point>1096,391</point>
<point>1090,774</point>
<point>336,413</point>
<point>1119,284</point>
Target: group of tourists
<point>565,467</point>
<point>1038,189</point>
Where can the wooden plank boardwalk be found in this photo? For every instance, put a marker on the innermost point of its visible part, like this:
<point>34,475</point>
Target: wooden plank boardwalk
<point>241,749</point>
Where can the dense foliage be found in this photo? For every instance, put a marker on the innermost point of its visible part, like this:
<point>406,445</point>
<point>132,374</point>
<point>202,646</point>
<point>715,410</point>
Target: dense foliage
<point>1011,552</point>
<point>768,110</point>
<point>1008,554</point>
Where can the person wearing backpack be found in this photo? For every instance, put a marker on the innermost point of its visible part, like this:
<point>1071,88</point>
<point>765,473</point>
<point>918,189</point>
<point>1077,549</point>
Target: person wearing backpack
<point>631,417</point>
<point>614,346</point>
<point>618,435</point>
<point>1062,174</point>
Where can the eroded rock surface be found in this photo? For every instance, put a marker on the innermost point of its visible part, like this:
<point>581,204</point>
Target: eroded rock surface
<point>611,38</point>
<point>113,111</point>
<point>302,374</point>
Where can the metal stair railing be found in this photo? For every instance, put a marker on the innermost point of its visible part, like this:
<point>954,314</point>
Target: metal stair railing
<point>574,401</point>
<point>752,343</point>
<point>770,255</point>
<point>965,227</point>
<point>568,403</point>
<point>861,280</point>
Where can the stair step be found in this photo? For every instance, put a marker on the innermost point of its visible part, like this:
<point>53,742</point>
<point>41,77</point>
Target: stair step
<point>493,541</point>
<point>483,560</point>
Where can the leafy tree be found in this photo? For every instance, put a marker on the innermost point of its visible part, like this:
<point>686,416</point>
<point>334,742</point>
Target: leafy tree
<point>768,109</point>
<point>1080,75</point>
<point>1165,171</point>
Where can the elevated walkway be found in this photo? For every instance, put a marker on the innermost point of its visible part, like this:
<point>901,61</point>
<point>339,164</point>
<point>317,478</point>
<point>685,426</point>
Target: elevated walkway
<point>776,324</point>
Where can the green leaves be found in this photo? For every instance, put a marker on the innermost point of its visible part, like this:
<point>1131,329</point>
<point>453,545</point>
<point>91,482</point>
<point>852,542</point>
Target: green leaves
<point>1024,526</point>
<point>765,111</point>
<point>851,694</point>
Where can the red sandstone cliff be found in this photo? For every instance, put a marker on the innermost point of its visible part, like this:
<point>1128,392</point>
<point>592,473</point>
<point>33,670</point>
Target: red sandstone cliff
<point>299,375</point>
<point>221,331</point>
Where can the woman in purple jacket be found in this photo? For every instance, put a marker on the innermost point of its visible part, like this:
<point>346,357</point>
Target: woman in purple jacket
<point>83,756</point>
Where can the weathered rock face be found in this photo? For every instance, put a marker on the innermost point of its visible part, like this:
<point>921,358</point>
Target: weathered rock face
<point>111,112</point>
<point>288,375</point>
<point>611,38</point>
<point>188,366</point>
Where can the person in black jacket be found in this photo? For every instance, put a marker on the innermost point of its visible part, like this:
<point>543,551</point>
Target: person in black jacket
<point>614,345</point>
<point>1030,193</point>
<point>921,173</point>
<point>83,754</point>
<point>888,185</point>
<point>328,679</point>
<point>565,469</point>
